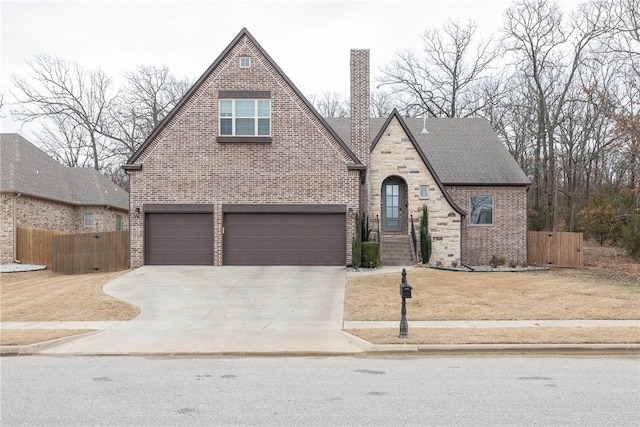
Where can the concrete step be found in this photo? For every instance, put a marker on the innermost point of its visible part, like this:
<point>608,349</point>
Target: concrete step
<point>397,263</point>
<point>395,250</point>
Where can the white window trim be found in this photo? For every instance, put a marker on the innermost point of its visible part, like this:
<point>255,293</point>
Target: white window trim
<point>248,60</point>
<point>233,116</point>
<point>493,211</point>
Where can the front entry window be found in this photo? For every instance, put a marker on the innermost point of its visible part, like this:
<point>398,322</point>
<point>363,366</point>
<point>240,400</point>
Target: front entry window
<point>392,210</point>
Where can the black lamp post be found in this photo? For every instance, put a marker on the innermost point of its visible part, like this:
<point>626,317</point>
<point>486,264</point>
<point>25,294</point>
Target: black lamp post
<point>405,292</point>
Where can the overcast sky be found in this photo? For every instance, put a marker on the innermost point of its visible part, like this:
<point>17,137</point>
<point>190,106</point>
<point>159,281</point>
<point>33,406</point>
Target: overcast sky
<point>310,40</point>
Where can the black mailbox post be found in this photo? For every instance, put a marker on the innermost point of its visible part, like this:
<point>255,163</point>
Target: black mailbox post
<point>405,292</point>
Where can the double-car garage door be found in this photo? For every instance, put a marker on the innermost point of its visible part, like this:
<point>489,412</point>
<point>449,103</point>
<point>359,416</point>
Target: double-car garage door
<point>252,235</point>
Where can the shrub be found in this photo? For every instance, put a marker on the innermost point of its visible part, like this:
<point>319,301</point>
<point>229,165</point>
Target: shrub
<point>631,236</point>
<point>497,261</point>
<point>365,232</point>
<point>425,236</point>
<point>370,254</point>
<point>599,217</point>
<point>356,244</point>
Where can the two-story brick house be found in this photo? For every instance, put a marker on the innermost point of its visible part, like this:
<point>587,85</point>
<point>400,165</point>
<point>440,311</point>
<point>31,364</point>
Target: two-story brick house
<point>244,171</point>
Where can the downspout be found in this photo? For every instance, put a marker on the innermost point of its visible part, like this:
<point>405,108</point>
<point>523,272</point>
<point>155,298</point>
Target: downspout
<point>15,228</point>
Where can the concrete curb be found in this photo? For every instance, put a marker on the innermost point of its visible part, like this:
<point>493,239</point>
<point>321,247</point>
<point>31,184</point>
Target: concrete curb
<point>17,350</point>
<point>505,348</point>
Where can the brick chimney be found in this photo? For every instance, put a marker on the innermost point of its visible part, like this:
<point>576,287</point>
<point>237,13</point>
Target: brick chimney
<point>360,104</point>
<point>360,139</point>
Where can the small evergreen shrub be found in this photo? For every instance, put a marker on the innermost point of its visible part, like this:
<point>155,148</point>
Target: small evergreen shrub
<point>370,254</point>
<point>425,236</point>
<point>497,261</point>
<point>631,236</point>
<point>356,244</point>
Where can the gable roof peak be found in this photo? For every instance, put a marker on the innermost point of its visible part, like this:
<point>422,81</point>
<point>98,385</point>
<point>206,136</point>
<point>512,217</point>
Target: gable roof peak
<point>131,163</point>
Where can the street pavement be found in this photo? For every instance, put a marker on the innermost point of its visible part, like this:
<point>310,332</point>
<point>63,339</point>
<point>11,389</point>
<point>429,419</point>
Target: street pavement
<point>314,391</point>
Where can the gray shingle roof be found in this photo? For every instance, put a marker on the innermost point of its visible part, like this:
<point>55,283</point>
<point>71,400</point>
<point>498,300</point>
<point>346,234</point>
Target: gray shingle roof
<point>462,151</point>
<point>26,169</point>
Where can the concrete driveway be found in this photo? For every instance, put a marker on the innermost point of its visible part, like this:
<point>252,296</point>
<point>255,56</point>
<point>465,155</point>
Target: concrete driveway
<point>202,309</point>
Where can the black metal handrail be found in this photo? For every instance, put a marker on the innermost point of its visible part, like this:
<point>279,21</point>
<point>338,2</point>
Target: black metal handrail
<point>378,221</point>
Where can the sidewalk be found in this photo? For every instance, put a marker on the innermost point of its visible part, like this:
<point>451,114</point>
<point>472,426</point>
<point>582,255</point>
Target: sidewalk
<point>490,324</point>
<point>218,340</point>
<point>427,324</point>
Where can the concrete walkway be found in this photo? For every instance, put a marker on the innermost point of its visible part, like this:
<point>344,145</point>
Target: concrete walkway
<point>179,339</point>
<point>489,324</point>
<point>429,324</point>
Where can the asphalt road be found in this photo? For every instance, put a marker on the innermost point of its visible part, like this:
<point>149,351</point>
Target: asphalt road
<point>349,391</point>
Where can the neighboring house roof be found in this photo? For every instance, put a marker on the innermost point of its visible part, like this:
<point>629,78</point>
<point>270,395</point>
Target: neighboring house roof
<point>462,151</point>
<point>26,169</point>
<point>243,33</point>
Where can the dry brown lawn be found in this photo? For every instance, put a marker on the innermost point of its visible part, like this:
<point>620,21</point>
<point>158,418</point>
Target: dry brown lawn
<point>608,288</point>
<point>454,295</point>
<point>30,336</point>
<point>44,296</point>
<point>502,336</point>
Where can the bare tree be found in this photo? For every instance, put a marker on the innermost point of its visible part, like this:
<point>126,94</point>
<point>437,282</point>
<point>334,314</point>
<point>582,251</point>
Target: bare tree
<point>440,82</point>
<point>382,103</point>
<point>64,142</point>
<point>550,52</point>
<point>330,104</point>
<point>76,100</point>
<point>148,96</point>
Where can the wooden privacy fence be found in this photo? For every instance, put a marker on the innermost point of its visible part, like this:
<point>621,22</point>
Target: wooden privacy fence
<point>34,246</point>
<point>91,252</point>
<point>555,249</point>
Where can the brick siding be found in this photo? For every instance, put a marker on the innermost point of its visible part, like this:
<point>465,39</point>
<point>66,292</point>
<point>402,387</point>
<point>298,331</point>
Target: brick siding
<point>185,165</point>
<point>507,237</point>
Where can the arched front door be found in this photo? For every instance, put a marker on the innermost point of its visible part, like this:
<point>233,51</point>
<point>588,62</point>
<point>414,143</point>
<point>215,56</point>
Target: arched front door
<point>392,203</point>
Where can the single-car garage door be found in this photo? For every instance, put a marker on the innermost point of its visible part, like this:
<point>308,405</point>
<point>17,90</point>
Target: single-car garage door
<point>179,238</point>
<point>284,238</point>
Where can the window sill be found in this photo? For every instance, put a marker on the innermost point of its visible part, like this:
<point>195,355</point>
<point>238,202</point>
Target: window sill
<point>244,139</point>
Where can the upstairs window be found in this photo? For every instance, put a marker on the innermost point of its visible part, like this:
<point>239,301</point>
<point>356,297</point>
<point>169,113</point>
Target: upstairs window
<point>245,62</point>
<point>245,117</point>
<point>481,210</point>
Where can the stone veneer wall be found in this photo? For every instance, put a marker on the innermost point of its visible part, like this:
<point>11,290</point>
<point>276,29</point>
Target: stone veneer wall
<point>507,237</point>
<point>395,155</point>
<point>31,212</point>
<point>184,164</point>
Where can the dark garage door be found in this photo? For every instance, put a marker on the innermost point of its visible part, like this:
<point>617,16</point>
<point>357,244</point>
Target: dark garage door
<point>179,238</point>
<point>284,239</point>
